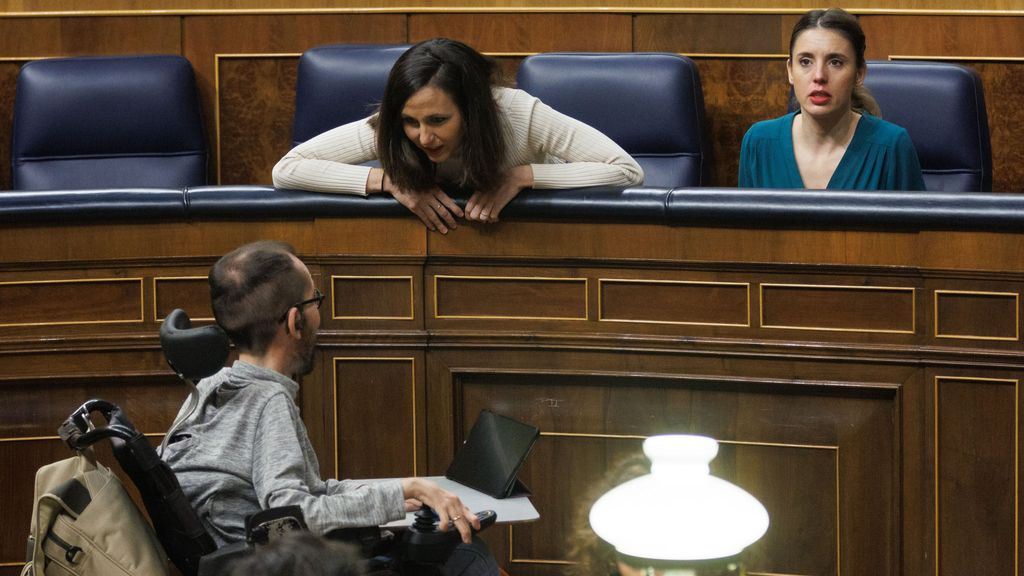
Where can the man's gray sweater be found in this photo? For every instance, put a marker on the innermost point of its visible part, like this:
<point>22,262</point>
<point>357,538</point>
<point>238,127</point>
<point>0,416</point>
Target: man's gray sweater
<point>246,449</point>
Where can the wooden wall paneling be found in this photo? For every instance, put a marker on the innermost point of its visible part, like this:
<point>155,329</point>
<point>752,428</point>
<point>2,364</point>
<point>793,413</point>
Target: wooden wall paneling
<point>271,41</point>
<point>22,7</point>
<point>738,91</point>
<point>942,35</point>
<point>8,84</point>
<point>839,308</point>
<point>689,245</point>
<point>519,297</point>
<point>86,36</point>
<point>102,301</point>
<point>401,237</point>
<point>528,32</point>
<point>1002,79</point>
<point>379,405</point>
<point>190,293</point>
<point>692,245</point>
<point>977,315</point>
<point>806,538</point>
<point>724,34</point>
<point>977,478</point>
<point>686,302</point>
<point>150,399</point>
<point>99,355</point>
<point>372,297</point>
<point>254,115</point>
<point>32,410</point>
<point>21,457</point>
<point>47,245</point>
<point>740,58</point>
<point>979,251</point>
<point>380,295</point>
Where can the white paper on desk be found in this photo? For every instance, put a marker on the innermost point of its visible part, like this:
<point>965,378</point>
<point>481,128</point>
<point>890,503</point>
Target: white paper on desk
<point>514,509</point>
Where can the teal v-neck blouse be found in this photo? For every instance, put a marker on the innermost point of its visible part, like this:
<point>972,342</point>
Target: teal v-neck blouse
<point>880,157</point>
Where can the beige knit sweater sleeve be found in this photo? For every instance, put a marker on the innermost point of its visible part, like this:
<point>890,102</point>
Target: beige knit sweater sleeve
<point>330,162</point>
<point>563,152</point>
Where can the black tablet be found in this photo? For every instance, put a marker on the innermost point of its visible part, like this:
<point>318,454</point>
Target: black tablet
<point>492,455</point>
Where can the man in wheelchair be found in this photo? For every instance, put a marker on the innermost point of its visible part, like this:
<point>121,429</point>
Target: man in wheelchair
<point>244,448</point>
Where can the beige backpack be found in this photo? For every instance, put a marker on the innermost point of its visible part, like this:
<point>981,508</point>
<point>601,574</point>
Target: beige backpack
<point>85,524</point>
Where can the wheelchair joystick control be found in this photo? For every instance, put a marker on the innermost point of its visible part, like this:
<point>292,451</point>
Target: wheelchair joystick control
<point>425,544</point>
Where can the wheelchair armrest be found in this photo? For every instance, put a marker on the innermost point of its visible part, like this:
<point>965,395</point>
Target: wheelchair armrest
<point>217,562</point>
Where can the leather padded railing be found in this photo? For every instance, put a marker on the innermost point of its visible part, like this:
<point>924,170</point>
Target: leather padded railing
<point>722,207</point>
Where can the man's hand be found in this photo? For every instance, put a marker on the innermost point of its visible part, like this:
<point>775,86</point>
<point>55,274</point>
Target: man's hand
<point>450,510</point>
<point>486,206</point>
<point>435,208</point>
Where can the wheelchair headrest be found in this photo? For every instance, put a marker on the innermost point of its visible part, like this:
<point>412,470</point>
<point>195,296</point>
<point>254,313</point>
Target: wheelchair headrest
<point>194,353</point>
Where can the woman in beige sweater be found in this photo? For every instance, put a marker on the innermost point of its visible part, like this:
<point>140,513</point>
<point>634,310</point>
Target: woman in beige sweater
<point>444,122</point>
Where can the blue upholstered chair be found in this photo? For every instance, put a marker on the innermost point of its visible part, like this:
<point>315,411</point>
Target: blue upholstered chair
<point>338,84</point>
<point>942,107</point>
<point>651,104</point>
<point>107,122</point>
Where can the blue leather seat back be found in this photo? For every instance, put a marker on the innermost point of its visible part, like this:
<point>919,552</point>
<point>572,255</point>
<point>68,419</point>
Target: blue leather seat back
<point>651,104</point>
<point>107,122</point>
<point>338,84</point>
<point>942,107</point>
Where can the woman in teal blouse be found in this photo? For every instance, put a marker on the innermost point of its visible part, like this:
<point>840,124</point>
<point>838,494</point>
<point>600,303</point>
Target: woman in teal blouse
<point>837,139</point>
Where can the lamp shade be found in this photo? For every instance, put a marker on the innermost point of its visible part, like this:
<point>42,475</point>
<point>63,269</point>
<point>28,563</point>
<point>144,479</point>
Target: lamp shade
<point>679,511</point>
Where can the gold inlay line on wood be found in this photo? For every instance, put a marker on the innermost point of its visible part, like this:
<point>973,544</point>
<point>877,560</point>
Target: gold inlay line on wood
<point>28,438</point>
<point>173,279</point>
<point>600,299</point>
<point>933,58</point>
<point>584,281</point>
<point>1016,318</point>
<point>734,55</point>
<point>913,307</point>
<point>39,438</point>
<point>412,299</point>
<point>139,320</point>
<point>1016,461</point>
<point>334,377</point>
<point>724,10</point>
<point>216,95</point>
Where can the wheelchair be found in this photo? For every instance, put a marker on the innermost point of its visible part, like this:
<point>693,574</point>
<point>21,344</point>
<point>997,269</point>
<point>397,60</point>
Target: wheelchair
<point>195,353</point>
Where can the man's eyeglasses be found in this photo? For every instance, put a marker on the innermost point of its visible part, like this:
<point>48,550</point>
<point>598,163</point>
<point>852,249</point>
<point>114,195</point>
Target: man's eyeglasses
<point>318,299</point>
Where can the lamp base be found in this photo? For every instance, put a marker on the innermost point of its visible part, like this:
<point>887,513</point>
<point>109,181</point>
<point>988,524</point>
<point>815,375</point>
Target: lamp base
<point>632,566</point>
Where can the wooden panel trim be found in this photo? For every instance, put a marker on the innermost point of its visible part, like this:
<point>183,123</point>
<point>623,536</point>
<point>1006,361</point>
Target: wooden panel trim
<point>567,279</point>
<point>540,9</point>
<point>1016,462</point>
<point>600,298</point>
<point>157,279</point>
<point>913,307</point>
<point>334,407</point>
<point>142,296</point>
<point>1016,319</point>
<point>933,58</point>
<point>28,438</point>
<point>412,297</point>
<point>216,94</point>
